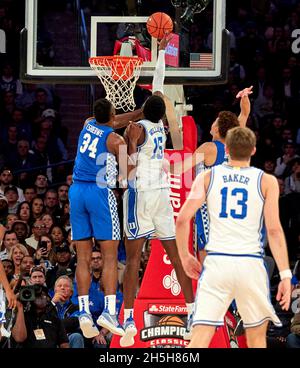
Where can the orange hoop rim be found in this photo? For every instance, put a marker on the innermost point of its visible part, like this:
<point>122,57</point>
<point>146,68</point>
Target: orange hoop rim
<point>114,58</point>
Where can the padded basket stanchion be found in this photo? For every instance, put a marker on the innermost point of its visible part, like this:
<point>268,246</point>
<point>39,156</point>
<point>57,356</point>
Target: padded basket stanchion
<point>119,75</point>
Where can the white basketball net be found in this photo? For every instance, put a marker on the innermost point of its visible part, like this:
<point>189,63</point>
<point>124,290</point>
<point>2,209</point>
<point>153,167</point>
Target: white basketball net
<point>118,76</point>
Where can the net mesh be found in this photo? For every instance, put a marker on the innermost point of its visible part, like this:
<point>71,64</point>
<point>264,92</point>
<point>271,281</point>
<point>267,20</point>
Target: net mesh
<point>118,75</point>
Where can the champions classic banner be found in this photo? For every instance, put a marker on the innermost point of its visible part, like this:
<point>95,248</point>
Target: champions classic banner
<point>159,310</point>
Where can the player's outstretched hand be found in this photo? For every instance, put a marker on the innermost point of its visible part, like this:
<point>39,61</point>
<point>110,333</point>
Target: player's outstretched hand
<point>11,299</point>
<point>163,43</point>
<point>245,92</point>
<point>192,267</point>
<point>133,131</point>
<point>284,293</point>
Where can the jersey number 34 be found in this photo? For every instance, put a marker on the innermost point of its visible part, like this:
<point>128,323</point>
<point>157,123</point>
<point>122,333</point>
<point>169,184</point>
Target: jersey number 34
<point>90,147</point>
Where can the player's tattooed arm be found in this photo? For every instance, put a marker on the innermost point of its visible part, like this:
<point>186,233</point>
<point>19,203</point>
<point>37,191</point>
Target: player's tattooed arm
<point>245,105</point>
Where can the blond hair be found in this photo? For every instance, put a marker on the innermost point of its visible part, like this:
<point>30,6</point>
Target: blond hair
<point>19,246</point>
<point>240,143</point>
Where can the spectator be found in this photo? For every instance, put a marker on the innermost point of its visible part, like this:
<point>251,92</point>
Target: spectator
<point>69,178</point>
<point>58,234</point>
<point>21,229</point>
<point>269,166</point>
<point>8,82</point>
<point>48,222</point>
<point>292,182</point>
<point>37,276</point>
<point>10,220</point>
<point>41,184</point>
<point>6,178</point>
<point>44,253</point>
<point>8,266</point>
<point>67,311</point>
<point>9,240</point>
<point>29,193</point>
<point>64,265</point>
<point>9,149</point>
<point>38,229</point>
<point>32,328</point>
<point>264,106</point>
<point>25,267</point>
<point>37,208</point>
<point>36,109</point>
<point>24,160</point>
<point>16,254</point>
<point>51,204</point>
<point>11,193</point>
<point>3,210</point>
<point>289,150</point>
<point>23,126</point>
<point>63,197</point>
<point>24,212</point>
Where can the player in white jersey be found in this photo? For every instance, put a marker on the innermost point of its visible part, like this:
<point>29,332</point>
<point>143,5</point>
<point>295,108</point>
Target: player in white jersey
<point>147,207</point>
<point>240,201</point>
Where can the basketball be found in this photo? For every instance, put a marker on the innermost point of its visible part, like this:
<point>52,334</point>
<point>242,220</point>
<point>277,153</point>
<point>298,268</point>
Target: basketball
<point>158,24</point>
<point>171,320</point>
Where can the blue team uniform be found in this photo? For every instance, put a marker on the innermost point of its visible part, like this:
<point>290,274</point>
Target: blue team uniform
<point>201,217</point>
<point>93,206</point>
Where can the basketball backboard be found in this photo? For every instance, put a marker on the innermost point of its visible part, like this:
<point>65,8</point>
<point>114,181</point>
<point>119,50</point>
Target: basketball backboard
<point>60,36</point>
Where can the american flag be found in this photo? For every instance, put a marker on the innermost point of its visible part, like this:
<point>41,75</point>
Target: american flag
<point>201,60</point>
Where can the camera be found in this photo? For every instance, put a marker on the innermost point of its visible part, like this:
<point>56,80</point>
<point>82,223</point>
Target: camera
<point>29,293</point>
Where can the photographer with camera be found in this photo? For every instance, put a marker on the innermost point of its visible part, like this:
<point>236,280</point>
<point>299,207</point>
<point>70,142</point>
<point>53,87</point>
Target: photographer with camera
<point>37,276</point>
<point>39,327</point>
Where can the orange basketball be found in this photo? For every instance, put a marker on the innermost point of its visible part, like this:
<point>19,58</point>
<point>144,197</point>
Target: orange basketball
<point>158,24</point>
<point>171,320</point>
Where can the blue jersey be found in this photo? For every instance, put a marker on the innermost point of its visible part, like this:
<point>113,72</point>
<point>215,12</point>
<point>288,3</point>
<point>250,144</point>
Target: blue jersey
<point>93,162</point>
<point>202,218</point>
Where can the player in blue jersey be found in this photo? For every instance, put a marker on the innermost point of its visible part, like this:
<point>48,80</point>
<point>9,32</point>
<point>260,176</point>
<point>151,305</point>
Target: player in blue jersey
<point>93,208</point>
<point>212,153</point>
<point>242,203</point>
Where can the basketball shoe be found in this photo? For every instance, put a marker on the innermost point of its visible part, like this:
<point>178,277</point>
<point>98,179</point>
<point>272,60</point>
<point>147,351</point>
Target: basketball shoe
<point>130,331</point>
<point>188,332</point>
<point>110,322</point>
<point>87,325</point>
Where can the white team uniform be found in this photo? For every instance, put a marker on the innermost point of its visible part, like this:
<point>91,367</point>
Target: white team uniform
<point>234,268</point>
<point>147,208</point>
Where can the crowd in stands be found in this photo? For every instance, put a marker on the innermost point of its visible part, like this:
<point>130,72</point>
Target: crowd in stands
<point>37,248</point>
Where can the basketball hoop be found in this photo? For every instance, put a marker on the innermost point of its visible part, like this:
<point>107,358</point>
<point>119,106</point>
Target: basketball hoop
<point>119,75</point>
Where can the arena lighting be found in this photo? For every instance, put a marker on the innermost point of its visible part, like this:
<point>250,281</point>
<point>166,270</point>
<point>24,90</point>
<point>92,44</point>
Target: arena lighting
<point>192,7</point>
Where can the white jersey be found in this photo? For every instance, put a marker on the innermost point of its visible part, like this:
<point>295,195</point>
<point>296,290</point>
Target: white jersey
<point>150,173</point>
<point>235,206</point>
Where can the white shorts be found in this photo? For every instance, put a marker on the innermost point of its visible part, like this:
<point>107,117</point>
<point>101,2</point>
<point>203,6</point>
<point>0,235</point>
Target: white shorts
<point>227,278</point>
<point>148,214</point>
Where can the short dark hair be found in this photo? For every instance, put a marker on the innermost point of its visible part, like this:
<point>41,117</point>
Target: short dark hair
<point>102,110</point>
<point>154,108</point>
<point>226,121</point>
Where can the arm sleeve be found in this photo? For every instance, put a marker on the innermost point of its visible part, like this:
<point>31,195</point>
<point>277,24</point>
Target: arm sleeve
<point>159,73</point>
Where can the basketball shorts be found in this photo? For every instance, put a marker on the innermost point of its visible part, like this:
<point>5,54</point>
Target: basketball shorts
<point>148,214</point>
<point>93,212</point>
<point>225,278</point>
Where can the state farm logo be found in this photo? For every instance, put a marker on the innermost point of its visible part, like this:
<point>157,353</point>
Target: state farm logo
<point>171,282</point>
<point>167,308</point>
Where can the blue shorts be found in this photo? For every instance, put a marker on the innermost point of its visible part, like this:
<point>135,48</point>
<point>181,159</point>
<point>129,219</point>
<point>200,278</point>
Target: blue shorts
<point>93,212</point>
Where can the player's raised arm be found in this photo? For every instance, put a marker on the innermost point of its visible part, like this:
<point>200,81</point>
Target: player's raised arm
<point>122,120</point>
<point>206,149</point>
<point>245,105</point>
<point>196,198</point>
<point>276,238</point>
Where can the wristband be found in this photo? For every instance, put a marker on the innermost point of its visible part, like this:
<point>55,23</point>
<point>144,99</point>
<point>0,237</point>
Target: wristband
<point>286,274</point>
